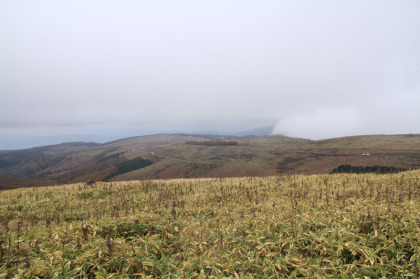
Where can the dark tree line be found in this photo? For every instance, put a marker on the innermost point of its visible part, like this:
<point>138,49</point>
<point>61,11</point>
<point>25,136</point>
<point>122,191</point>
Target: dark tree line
<point>131,165</point>
<point>366,169</point>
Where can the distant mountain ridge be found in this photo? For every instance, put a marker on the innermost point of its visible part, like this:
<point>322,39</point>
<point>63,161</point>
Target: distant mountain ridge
<point>168,156</point>
<point>17,142</point>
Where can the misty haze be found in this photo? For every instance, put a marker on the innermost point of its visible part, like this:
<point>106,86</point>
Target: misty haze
<point>101,70</point>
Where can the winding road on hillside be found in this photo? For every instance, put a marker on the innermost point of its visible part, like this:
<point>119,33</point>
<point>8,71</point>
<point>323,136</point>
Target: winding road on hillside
<point>220,157</point>
<point>289,151</point>
<point>171,158</point>
<point>353,154</point>
<point>189,161</point>
<point>364,154</point>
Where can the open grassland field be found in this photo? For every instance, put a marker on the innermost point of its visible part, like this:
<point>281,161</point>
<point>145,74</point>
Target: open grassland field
<point>319,226</point>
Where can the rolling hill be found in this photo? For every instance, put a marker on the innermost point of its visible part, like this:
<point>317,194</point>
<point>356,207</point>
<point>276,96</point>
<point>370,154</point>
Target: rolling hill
<point>183,155</point>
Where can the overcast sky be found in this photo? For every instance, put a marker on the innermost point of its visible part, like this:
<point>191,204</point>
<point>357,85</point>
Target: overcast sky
<point>314,69</point>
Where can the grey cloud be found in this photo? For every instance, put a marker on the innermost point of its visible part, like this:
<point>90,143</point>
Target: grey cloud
<point>153,63</point>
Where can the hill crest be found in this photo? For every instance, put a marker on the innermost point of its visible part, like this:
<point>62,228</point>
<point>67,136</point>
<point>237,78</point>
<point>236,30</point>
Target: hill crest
<point>168,156</point>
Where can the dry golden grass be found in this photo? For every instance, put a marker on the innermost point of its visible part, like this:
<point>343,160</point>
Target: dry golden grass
<point>320,226</point>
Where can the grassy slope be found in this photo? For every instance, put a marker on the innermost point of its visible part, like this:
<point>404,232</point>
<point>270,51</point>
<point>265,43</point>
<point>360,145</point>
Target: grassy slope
<point>322,226</point>
<point>281,155</point>
<point>75,163</point>
<point>256,156</point>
